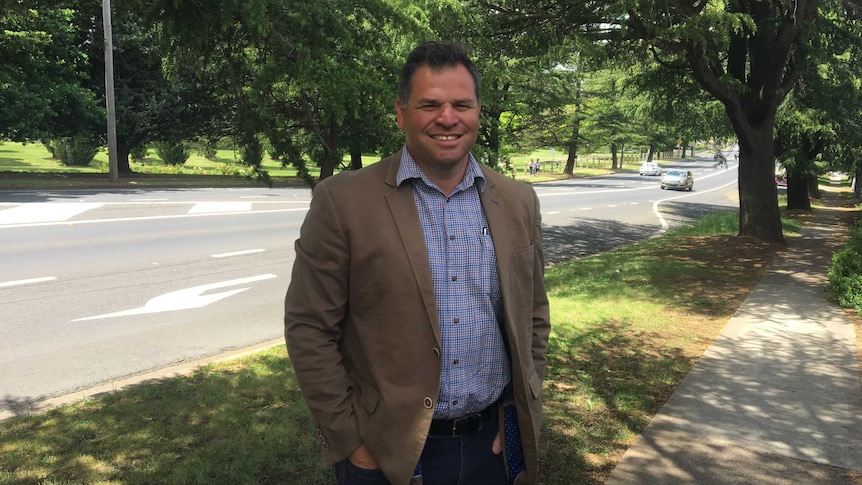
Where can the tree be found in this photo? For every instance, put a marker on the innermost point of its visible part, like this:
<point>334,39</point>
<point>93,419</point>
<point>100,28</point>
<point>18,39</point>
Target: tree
<point>153,104</point>
<point>745,53</point>
<point>822,112</point>
<point>42,95</point>
<point>312,77</point>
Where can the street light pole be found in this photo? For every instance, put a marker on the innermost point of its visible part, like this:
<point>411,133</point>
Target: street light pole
<point>109,92</point>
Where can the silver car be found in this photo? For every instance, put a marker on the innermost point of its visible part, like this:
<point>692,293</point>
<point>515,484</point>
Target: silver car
<point>677,180</point>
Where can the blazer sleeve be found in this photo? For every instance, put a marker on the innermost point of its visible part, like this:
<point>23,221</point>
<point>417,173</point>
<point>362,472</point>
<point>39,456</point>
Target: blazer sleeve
<point>314,307</point>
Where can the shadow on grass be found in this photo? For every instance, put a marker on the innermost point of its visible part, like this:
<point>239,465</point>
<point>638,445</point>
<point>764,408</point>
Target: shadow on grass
<point>606,378</point>
<point>602,386</point>
<point>244,425</point>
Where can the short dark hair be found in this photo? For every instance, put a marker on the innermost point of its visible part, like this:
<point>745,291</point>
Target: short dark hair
<point>436,55</point>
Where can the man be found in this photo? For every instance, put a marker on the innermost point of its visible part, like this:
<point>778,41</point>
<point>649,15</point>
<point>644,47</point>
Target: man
<point>416,318</point>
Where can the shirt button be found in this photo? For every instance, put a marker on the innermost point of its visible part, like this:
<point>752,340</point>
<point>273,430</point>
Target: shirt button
<point>455,402</point>
<point>428,403</point>
<point>455,361</point>
<point>454,278</point>
<point>455,320</point>
<point>452,237</point>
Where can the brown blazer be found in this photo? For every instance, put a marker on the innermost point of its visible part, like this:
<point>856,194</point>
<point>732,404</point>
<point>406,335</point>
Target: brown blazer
<point>361,320</point>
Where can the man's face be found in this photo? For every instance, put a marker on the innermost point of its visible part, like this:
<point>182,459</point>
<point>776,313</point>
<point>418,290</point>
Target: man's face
<point>441,118</point>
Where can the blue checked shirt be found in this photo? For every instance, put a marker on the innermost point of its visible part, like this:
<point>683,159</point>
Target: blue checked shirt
<point>475,367</point>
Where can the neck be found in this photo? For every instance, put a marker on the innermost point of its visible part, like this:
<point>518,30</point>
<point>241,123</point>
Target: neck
<point>446,178</point>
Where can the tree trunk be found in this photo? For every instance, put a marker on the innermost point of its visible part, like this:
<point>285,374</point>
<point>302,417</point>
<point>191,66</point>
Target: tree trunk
<point>123,150</point>
<point>492,138</point>
<point>813,187</point>
<point>614,157</point>
<point>329,159</point>
<point>758,197</point>
<point>355,158</point>
<point>572,159</point>
<point>650,153</point>
<point>797,192</point>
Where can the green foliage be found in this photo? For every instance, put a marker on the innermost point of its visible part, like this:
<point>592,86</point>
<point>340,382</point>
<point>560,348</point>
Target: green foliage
<point>845,273</point>
<point>42,91</point>
<point>252,152</point>
<point>139,153</point>
<point>80,151</point>
<point>172,153</point>
<point>205,148</point>
<point>73,151</point>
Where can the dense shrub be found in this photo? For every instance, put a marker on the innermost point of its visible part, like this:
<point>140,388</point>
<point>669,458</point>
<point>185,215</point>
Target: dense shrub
<point>252,152</point>
<point>73,151</point>
<point>172,153</point>
<point>139,153</point>
<point>206,148</point>
<point>845,274</point>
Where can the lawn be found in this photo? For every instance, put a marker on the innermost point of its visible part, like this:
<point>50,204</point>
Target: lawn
<point>627,327</point>
<point>31,165</point>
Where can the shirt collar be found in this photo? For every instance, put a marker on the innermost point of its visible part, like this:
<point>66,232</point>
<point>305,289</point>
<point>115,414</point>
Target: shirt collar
<point>409,169</point>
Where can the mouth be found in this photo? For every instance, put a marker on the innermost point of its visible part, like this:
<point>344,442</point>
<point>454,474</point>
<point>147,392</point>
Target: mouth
<point>444,137</point>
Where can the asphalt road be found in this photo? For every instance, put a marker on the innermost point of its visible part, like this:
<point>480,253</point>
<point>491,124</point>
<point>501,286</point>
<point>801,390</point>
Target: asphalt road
<point>97,286</point>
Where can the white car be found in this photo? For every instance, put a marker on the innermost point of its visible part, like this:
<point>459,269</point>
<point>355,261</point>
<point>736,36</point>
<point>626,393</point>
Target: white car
<point>650,168</point>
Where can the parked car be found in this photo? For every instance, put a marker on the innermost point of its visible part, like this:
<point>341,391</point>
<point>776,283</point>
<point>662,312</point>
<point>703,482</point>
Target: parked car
<point>650,168</point>
<point>780,180</point>
<point>677,180</point>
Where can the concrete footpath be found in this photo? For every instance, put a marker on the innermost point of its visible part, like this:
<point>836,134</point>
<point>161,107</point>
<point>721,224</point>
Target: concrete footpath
<point>777,397</point>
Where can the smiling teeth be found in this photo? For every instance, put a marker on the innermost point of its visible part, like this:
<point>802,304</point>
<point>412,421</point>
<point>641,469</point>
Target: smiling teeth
<point>449,137</point>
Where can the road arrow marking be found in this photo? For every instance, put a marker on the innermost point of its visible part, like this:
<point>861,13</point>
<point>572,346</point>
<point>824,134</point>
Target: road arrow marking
<point>186,299</point>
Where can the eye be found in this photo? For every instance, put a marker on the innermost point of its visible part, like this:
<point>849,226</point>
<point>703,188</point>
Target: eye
<point>427,106</point>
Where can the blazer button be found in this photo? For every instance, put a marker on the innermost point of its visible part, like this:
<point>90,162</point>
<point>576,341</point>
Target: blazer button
<point>436,352</point>
<point>428,403</point>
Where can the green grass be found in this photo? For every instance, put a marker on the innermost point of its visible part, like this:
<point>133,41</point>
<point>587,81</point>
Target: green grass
<point>30,165</point>
<point>627,327</point>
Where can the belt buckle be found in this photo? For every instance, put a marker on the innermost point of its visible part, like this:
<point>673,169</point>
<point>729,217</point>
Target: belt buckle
<point>467,419</point>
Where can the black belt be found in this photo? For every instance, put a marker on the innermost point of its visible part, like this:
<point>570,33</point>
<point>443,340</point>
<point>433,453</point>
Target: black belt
<point>463,426</point>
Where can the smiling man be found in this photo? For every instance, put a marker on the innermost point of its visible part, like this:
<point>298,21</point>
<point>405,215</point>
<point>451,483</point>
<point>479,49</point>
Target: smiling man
<point>416,318</point>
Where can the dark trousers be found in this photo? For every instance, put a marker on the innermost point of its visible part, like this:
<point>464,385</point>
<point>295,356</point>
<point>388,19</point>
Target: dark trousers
<point>464,460</point>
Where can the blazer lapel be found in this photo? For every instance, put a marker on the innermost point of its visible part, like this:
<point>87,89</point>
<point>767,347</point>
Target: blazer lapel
<point>404,212</point>
<point>495,211</point>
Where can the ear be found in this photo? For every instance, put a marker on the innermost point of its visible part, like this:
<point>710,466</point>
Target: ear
<point>399,111</point>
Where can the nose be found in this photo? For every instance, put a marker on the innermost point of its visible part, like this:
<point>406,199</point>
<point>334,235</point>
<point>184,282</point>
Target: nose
<point>448,116</point>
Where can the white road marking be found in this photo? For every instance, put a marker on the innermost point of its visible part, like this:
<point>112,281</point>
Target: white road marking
<point>27,281</point>
<point>664,225</point>
<point>237,253</point>
<point>186,299</point>
<point>45,212</point>
<point>211,207</point>
<point>146,218</point>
